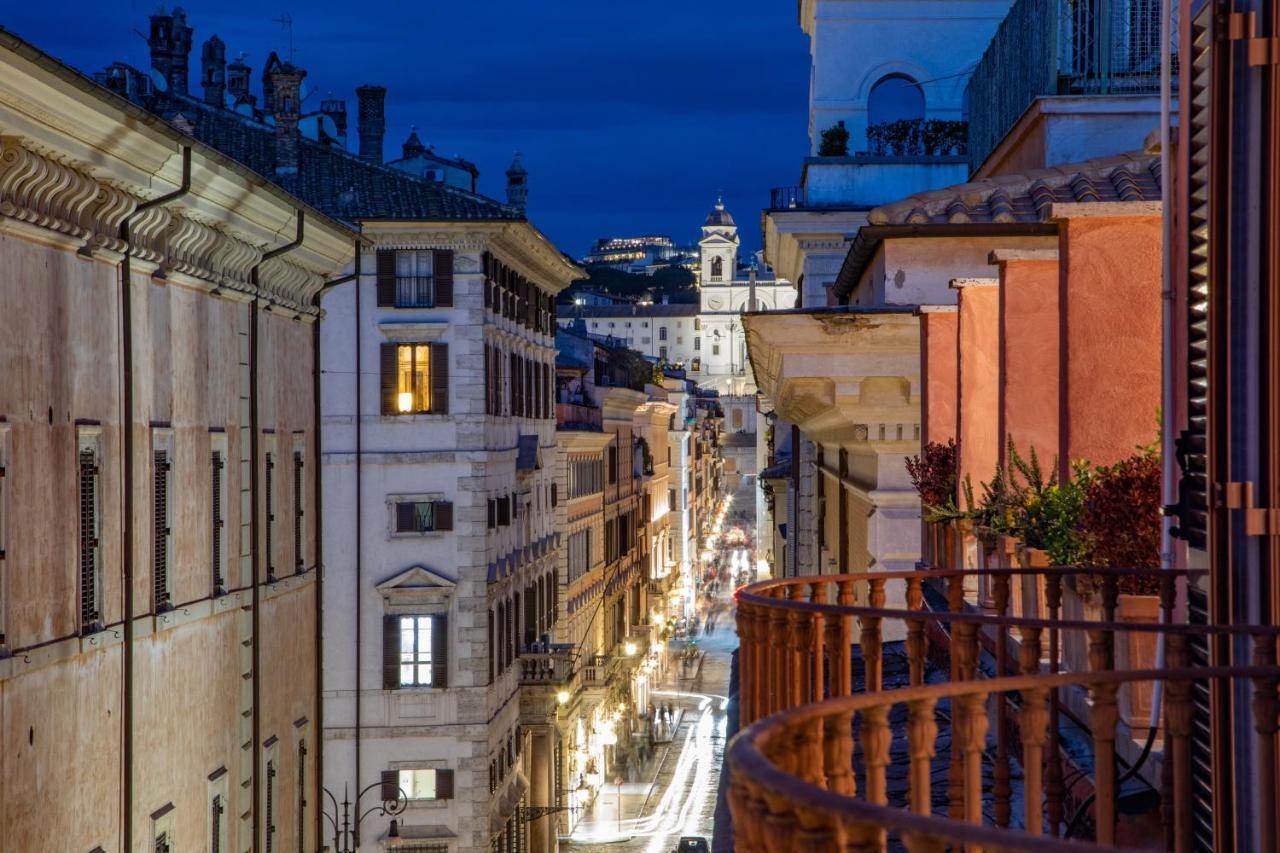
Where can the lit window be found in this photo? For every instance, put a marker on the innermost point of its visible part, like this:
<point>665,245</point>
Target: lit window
<point>415,272</point>
<point>418,784</point>
<point>415,650</point>
<point>413,378</point>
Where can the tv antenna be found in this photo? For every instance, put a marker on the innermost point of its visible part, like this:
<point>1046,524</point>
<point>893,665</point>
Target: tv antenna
<point>286,21</point>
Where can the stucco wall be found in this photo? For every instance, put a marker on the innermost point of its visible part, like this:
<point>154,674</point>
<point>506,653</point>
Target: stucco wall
<point>939,376</point>
<point>1029,358</point>
<point>978,398</point>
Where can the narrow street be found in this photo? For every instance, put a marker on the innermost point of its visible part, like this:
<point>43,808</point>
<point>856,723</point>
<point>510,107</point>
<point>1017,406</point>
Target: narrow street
<point>677,797</point>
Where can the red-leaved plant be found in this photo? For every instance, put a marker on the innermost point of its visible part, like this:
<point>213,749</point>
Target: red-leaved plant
<point>933,473</point>
<point>1121,519</point>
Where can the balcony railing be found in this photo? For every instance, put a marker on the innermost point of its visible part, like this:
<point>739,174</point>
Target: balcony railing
<point>550,667</point>
<point>1062,47</point>
<point>577,416</point>
<point>1030,740</point>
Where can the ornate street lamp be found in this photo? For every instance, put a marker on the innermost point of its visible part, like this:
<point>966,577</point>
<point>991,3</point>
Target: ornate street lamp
<point>346,834</point>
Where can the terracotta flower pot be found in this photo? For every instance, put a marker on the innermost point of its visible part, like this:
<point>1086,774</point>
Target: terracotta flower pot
<point>1075,642</point>
<point>1135,650</point>
<point>1032,587</point>
<point>1006,558</point>
<point>965,554</point>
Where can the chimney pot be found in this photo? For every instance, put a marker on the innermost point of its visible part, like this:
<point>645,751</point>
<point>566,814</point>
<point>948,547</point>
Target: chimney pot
<point>213,71</point>
<point>286,84</point>
<point>372,121</point>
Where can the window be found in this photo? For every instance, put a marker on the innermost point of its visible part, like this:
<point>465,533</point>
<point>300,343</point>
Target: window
<point>162,840</point>
<point>413,375</point>
<point>4,461</point>
<point>662,352</point>
<point>697,324</point>
<point>504,511</point>
<point>613,464</point>
<point>217,517</point>
<point>697,343</point>
<point>415,378</point>
<point>415,278</point>
<point>422,516</point>
<point>269,513</point>
<point>415,650</point>
<point>161,532</point>
<point>662,333</point>
<point>717,269</point>
<point>216,810</point>
<point>715,349</point>
<point>299,509</point>
<point>579,554</point>
<point>895,97</point>
<point>90,546</point>
<point>418,784</point>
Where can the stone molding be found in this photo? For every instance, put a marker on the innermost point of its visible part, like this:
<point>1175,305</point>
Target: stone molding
<point>48,192</point>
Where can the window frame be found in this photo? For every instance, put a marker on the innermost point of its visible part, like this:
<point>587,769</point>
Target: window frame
<point>420,283</point>
<point>417,663</point>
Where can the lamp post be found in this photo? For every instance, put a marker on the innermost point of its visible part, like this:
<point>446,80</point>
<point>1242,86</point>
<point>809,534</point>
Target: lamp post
<point>346,834</point>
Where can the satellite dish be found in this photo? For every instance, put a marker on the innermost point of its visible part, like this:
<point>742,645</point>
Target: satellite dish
<point>158,81</point>
<point>245,109</point>
<point>328,125</point>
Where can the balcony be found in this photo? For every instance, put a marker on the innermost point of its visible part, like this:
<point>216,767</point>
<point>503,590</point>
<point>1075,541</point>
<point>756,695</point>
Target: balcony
<point>1062,47</point>
<point>982,730</point>
<point>548,668</point>
<point>578,417</point>
<point>865,180</point>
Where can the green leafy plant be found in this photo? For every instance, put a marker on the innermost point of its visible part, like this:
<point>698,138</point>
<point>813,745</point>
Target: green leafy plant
<point>835,141</point>
<point>915,137</point>
<point>933,473</point>
<point>1120,520</point>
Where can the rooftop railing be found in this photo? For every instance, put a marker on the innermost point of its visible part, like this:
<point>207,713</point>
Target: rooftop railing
<point>1062,47</point>
<point>578,416</point>
<point>1040,725</point>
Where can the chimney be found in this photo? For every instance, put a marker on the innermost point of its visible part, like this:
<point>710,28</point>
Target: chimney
<point>213,71</point>
<point>517,184</point>
<point>238,81</point>
<point>160,41</point>
<point>181,52</point>
<point>412,146</point>
<point>336,109</point>
<point>372,118</point>
<point>269,70</point>
<point>286,83</point>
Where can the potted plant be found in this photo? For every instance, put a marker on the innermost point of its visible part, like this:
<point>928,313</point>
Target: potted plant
<point>1120,527</point>
<point>933,473</point>
<point>835,141</point>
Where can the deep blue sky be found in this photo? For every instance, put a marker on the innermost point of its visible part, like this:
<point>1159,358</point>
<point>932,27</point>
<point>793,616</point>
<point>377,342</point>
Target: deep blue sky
<point>630,116</point>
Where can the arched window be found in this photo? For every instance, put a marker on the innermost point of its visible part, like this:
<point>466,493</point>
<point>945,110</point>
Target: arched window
<point>717,269</point>
<point>895,97</point>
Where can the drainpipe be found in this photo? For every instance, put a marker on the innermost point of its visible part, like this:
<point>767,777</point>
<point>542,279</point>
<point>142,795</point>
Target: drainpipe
<point>254,524</point>
<point>126,365</point>
<point>317,457</point>
<point>359,567</point>
<point>1169,348</point>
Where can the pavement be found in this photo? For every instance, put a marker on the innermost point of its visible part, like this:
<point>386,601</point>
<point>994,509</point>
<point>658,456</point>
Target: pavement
<point>676,793</point>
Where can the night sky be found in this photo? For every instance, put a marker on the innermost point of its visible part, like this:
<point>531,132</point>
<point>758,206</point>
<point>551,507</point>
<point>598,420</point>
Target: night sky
<point>630,116</point>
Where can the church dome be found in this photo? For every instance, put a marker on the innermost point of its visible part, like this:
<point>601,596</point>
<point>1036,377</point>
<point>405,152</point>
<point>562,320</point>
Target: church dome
<point>719,216</point>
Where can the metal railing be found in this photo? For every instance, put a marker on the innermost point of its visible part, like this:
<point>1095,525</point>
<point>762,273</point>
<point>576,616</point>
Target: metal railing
<point>786,198</point>
<point>798,780</point>
<point>1062,47</point>
<point>576,416</point>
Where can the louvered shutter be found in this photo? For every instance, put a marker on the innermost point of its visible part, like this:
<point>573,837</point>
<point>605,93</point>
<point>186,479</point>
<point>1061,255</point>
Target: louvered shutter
<point>88,539</point>
<point>390,652</point>
<point>160,530</point>
<point>442,264</point>
<point>299,507</point>
<point>387,372</point>
<point>443,514</point>
<point>390,786</point>
<point>386,267</point>
<point>270,827</point>
<point>493,513</point>
<point>488,382</point>
<point>406,521</point>
<point>440,650</point>
<point>269,543</point>
<point>444,784</point>
<point>440,379</point>
<point>486,264</point>
<point>216,522</point>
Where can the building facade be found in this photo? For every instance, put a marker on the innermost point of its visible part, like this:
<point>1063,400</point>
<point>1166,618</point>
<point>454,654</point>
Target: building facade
<point>159,504</point>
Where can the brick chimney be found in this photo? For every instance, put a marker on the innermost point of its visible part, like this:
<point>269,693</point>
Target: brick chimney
<point>213,71</point>
<point>517,184</point>
<point>372,121</point>
<point>286,84</point>
<point>238,75</point>
<point>170,43</point>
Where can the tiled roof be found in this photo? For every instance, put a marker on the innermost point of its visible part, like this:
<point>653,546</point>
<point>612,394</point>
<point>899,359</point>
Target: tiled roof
<point>329,178</point>
<point>1027,197</point>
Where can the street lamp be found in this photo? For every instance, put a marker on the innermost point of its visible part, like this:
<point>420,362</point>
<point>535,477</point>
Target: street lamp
<point>346,837</point>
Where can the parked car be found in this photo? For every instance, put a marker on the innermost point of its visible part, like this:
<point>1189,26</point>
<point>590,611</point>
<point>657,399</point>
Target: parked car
<point>693,844</point>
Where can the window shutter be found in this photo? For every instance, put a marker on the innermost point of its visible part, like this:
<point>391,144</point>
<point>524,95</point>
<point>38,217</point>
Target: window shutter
<point>88,539</point>
<point>444,784</point>
<point>440,650</point>
<point>442,263</point>
<point>386,278</point>
<point>553,494</point>
<point>387,357</point>
<point>404,517</point>
<point>390,652</point>
<point>299,507</point>
<point>493,513</point>
<point>440,379</point>
<point>443,512</point>
<point>486,264</point>
<point>390,786</point>
<point>160,529</point>
<point>215,522</point>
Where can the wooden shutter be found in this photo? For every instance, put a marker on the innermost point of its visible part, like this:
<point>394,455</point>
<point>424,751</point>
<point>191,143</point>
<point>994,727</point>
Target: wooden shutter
<point>387,370</point>
<point>442,266</point>
<point>215,521</point>
<point>440,650</point>
<point>443,514</point>
<point>270,827</point>
<point>299,507</point>
<point>386,278</point>
<point>493,513</point>
<point>268,546</point>
<point>405,517</point>
<point>486,265</point>
<point>553,494</point>
<point>160,530</point>
<point>390,786</point>
<point>390,652</point>
<point>88,539</point>
<point>444,784</point>
<point>440,379</point>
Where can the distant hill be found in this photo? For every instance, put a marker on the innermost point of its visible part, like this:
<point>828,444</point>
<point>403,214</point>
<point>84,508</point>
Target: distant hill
<point>673,283</point>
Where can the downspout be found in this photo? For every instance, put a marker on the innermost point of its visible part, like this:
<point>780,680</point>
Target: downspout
<point>1169,349</point>
<point>255,524</point>
<point>359,567</point>
<point>317,457</point>
<point>126,366</point>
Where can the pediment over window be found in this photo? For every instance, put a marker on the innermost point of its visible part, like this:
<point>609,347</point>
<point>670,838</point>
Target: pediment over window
<point>417,585</point>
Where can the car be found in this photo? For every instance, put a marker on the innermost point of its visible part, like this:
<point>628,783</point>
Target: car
<point>693,844</point>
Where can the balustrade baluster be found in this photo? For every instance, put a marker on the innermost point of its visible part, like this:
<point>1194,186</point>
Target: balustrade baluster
<point>817,595</point>
<point>1103,717</point>
<point>1033,718</point>
<point>746,673</point>
<point>922,737</point>
<point>1053,787</point>
<point>846,600</point>
<point>924,844</point>
<point>795,669</point>
<point>818,831</point>
<point>837,753</point>
<point>973,741</point>
<point>779,824</point>
<point>1177,720</point>
<point>915,642</point>
<point>1265,707</point>
<point>831,623</point>
<point>778,656</point>
<point>1001,791</point>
